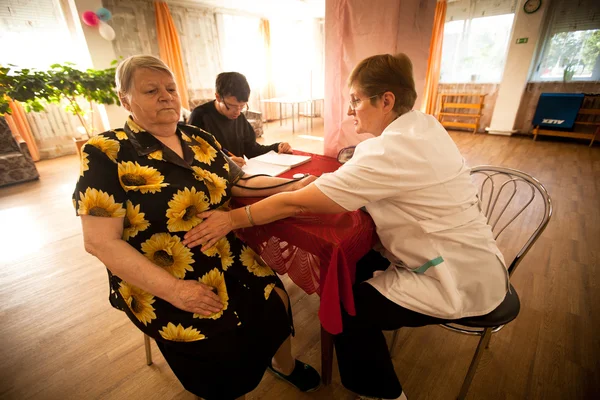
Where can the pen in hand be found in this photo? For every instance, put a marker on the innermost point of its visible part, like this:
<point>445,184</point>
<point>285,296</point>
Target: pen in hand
<point>238,160</point>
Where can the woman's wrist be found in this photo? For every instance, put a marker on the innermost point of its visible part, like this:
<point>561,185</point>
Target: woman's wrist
<point>239,218</point>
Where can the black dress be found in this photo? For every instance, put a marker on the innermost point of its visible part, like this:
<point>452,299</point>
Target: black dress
<point>127,173</point>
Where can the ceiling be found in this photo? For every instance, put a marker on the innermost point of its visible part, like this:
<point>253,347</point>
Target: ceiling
<point>295,9</point>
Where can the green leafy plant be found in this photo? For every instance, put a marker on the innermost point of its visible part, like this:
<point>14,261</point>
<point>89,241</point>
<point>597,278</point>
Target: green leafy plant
<point>61,81</point>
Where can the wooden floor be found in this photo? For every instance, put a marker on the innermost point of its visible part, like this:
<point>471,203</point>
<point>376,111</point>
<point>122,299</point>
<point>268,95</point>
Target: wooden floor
<point>61,339</point>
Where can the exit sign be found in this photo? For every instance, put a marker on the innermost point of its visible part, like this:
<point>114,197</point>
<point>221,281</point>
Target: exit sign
<point>522,40</point>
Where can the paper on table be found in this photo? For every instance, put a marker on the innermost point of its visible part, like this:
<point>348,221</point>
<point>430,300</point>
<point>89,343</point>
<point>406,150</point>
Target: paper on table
<point>254,167</point>
<point>290,160</point>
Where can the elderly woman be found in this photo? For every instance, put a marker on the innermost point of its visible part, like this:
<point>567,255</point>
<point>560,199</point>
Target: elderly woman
<point>441,262</point>
<point>221,316</point>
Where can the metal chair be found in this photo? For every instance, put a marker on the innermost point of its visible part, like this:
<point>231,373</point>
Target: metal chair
<point>497,194</point>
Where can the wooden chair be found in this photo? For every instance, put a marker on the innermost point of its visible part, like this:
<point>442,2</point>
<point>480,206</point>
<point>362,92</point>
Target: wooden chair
<point>464,110</point>
<point>497,195</point>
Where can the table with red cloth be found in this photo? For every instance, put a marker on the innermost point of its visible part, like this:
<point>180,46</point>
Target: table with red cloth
<point>318,251</point>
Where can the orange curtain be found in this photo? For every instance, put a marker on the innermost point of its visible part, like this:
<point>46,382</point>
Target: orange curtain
<point>20,128</point>
<point>270,110</point>
<point>170,48</point>
<point>435,59</point>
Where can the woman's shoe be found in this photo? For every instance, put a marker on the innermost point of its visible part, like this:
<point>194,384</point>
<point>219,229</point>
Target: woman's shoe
<point>304,377</point>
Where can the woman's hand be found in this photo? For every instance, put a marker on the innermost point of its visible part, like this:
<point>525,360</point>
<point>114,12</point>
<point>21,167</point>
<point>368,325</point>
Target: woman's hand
<point>216,225</point>
<point>195,297</point>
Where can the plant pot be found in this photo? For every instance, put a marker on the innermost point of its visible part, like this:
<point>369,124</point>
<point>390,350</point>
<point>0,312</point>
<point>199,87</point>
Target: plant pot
<point>79,144</point>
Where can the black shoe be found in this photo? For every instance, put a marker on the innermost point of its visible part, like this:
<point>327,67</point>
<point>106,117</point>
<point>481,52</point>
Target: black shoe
<point>304,377</point>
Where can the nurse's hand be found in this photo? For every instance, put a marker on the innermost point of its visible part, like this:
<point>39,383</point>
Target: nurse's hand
<point>216,225</point>
<point>195,297</point>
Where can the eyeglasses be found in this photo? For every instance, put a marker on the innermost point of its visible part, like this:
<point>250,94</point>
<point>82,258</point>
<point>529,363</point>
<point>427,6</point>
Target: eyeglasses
<point>356,103</point>
<point>235,107</point>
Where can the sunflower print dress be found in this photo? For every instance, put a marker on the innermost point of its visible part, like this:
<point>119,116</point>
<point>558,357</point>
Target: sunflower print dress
<point>127,173</point>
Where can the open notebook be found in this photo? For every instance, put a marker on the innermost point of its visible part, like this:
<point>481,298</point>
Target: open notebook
<point>273,164</point>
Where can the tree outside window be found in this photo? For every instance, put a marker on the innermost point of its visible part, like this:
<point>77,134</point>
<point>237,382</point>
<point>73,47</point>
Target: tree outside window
<point>571,55</point>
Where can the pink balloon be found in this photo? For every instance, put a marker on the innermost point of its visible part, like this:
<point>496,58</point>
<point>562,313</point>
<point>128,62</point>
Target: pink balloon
<point>90,18</point>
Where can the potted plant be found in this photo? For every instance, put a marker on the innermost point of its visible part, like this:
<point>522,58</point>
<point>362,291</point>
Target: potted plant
<point>60,82</point>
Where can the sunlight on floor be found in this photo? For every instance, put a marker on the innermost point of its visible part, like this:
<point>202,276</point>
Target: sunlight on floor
<point>22,237</point>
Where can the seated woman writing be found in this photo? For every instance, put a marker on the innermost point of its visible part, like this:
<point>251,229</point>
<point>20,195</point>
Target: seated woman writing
<point>441,261</point>
<point>220,317</point>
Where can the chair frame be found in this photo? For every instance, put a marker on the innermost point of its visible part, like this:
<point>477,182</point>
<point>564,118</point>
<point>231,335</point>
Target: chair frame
<point>513,178</point>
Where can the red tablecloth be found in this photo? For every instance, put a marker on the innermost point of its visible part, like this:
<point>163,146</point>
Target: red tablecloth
<point>318,251</point>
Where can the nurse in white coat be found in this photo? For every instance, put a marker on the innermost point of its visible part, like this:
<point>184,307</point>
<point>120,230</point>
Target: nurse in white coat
<point>441,260</point>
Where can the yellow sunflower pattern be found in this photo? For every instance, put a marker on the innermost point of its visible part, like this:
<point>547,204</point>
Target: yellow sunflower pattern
<point>203,152</point>
<point>186,137</point>
<point>183,209</point>
<point>214,183</point>
<point>168,252</point>
<point>226,167</point>
<point>216,280</point>
<point>268,289</point>
<point>84,165</point>
<point>110,147</point>
<point>156,155</point>
<point>254,263</point>
<point>133,126</point>
<point>134,176</point>
<point>134,221</point>
<point>139,302</point>
<point>180,334</point>
<point>99,204</point>
<point>121,135</point>
<point>223,249</point>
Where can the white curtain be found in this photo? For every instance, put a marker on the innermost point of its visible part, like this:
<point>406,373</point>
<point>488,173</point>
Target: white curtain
<point>243,51</point>
<point>198,34</point>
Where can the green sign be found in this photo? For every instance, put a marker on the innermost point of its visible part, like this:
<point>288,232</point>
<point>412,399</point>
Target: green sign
<point>522,40</point>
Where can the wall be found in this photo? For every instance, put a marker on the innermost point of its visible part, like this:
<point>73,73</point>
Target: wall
<point>519,61</point>
<point>101,54</point>
<point>356,29</point>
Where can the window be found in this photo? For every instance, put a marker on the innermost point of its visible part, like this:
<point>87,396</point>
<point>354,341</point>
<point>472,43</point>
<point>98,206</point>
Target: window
<point>571,49</point>
<point>34,34</point>
<point>476,36</point>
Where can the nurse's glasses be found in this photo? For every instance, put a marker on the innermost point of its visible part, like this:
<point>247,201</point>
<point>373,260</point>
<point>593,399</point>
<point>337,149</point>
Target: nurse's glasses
<point>356,102</point>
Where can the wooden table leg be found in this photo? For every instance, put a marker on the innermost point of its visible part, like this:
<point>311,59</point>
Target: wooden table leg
<point>326,356</point>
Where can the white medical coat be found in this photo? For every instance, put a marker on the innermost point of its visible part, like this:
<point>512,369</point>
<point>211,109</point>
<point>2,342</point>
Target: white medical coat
<point>416,186</point>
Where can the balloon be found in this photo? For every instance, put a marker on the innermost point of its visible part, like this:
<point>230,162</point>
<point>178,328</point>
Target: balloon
<point>103,14</point>
<point>90,18</point>
<point>106,31</point>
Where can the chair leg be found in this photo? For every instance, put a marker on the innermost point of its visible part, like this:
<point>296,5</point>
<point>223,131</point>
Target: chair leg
<point>148,350</point>
<point>474,362</point>
<point>326,356</point>
<point>394,341</point>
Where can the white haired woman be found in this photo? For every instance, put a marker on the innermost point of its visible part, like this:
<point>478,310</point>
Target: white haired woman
<point>220,317</point>
<point>441,261</point>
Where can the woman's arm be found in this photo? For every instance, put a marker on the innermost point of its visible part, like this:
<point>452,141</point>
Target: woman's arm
<point>102,238</point>
<point>217,224</point>
<point>240,189</point>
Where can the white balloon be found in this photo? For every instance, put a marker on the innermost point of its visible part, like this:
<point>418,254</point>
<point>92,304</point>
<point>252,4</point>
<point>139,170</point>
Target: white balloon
<point>106,31</point>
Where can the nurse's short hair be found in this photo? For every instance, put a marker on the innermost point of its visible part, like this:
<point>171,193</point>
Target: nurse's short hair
<point>386,73</point>
<point>127,67</point>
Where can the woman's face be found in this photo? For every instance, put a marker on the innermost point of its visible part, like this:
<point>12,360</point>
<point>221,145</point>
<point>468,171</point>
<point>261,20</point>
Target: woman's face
<point>367,117</point>
<point>153,98</point>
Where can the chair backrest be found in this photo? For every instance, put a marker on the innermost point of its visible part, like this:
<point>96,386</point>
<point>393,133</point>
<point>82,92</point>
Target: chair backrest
<point>8,144</point>
<point>504,194</point>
